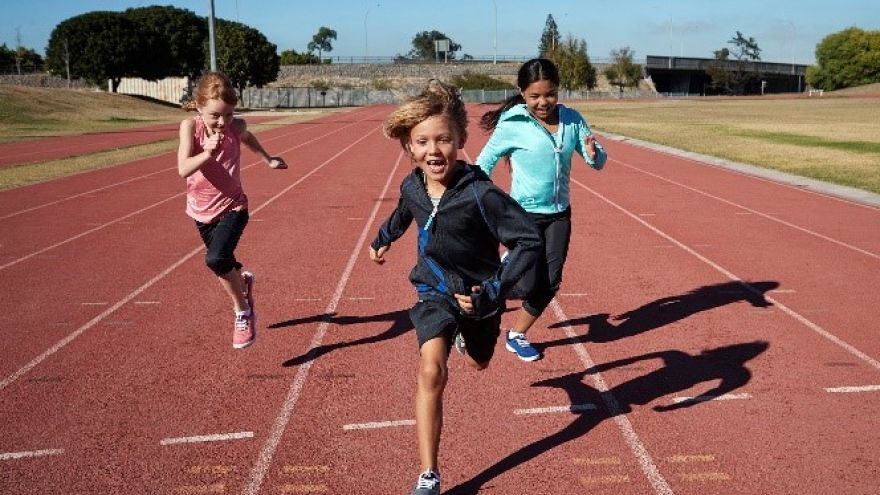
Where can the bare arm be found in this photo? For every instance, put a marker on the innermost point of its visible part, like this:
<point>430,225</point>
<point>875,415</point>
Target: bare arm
<point>254,145</point>
<point>187,164</point>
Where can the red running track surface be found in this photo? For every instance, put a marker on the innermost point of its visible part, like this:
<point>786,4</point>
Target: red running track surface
<point>715,333</point>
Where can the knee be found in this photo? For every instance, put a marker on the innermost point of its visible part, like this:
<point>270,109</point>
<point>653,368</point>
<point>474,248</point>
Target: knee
<point>218,264</point>
<point>433,375</point>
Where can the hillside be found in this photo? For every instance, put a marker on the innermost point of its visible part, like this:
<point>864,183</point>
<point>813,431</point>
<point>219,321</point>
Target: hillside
<point>37,112</point>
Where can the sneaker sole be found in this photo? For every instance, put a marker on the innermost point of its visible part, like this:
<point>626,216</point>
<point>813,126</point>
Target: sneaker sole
<point>526,359</point>
<point>242,346</point>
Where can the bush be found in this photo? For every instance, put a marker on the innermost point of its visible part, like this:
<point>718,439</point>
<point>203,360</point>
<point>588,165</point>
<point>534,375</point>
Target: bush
<point>470,80</point>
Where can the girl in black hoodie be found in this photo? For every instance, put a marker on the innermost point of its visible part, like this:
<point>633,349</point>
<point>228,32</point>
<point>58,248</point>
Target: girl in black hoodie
<point>462,218</point>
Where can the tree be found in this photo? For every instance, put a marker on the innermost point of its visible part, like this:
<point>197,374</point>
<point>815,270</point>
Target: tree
<point>549,38</point>
<point>292,57</point>
<point>733,76</point>
<point>245,55</point>
<point>575,69</point>
<point>846,58</point>
<point>321,41</point>
<point>12,61</point>
<point>423,45</point>
<point>100,46</point>
<point>623,72</point>
<point>177,41</point>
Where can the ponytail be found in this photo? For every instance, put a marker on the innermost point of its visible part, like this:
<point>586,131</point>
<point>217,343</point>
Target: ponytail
<point>489,120</point>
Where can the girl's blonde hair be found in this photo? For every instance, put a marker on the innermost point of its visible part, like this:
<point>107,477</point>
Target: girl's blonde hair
<point>212,86</point>
<point>436,99</point>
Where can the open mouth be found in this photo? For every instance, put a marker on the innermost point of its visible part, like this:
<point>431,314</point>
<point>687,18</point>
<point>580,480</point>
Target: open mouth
<point>436,166</point>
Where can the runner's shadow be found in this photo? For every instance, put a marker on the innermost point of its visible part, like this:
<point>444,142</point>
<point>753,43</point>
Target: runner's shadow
<point>664,311</point>
<point>400,324</point>
<point>681,371</point>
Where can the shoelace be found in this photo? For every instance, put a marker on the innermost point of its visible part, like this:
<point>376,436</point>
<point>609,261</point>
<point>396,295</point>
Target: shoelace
<point>521,341</point>
<point>427,481</point>
<point>241,323</point>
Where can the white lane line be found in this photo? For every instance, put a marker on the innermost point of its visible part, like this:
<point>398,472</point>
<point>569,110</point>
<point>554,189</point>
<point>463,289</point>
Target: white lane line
<point>726,166</point>
<point>264,461</point>
<point>217,437</point>
<point>853,390</point>
<point>144,303</point>
<point>555,409</point>
<point>122,302</point>
<point>102,303</point>
<point>764,215</point>
<point>778,305</point>
<point>646,463</point>
<point>8,456</point>
<point>707,398</point>
<point>137,212</point>
<point>91,192</point>
<point>379,424</point>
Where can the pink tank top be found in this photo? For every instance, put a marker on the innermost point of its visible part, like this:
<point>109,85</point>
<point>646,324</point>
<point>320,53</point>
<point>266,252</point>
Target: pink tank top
<point>215,188</point>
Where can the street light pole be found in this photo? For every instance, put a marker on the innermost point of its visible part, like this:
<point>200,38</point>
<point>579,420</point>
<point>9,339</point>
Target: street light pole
<point>495,37</point>
<point>365,30</point>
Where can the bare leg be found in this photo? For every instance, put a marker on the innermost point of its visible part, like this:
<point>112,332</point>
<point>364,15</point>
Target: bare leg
<point>432,376</point>
<point>233,285</point>
<point>524,321</point>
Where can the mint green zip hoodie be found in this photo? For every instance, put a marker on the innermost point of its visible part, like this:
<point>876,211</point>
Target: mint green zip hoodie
<point>541,161</point>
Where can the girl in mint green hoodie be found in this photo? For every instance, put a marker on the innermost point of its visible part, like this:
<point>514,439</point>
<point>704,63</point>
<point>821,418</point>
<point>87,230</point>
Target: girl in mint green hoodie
<point>538,136</point>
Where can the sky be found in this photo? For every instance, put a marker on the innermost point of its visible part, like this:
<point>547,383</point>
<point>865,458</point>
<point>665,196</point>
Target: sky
<point>787,31</point>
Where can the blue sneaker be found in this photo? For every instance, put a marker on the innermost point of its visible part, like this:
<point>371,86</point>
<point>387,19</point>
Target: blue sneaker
<point>517,343</point>
<point>427,484</point>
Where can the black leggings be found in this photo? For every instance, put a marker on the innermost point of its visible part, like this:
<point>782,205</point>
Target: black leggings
<point>221,238</point>
<point>541,282</point>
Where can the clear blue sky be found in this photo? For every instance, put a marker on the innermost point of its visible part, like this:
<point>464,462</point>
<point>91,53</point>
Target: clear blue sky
<point>786,30</point>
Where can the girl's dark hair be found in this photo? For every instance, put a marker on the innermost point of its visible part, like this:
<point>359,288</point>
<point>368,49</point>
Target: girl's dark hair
<point>536,69</point>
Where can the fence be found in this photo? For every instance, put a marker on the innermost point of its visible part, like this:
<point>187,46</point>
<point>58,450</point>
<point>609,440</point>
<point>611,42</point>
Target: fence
<point>354,97</point>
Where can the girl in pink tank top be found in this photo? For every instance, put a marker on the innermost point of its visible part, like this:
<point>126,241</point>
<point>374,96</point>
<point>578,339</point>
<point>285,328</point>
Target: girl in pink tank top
<point>209,158</point>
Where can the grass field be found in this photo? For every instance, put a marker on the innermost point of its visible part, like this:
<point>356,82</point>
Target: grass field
<point>834,139</point>
<point>830,138</point>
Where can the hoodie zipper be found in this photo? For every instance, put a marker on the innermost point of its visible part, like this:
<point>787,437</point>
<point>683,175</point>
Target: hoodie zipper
<point>557,154</point>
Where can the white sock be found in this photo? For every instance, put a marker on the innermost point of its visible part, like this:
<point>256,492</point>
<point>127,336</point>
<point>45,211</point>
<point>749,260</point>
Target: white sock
<point>245,312</point>
<point>512,334</point>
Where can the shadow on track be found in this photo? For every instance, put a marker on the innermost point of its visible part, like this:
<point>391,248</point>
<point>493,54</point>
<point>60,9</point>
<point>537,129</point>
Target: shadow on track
<point>681,371</point>
<point>400,324</point>
<point>664,311</point>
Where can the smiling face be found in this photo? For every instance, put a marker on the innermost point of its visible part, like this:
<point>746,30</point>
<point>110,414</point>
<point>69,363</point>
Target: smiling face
<point>433,146</point>
<point>541,97</point>
<point>217,114</point>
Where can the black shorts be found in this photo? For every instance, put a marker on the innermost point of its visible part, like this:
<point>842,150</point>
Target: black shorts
<point>434,316</point>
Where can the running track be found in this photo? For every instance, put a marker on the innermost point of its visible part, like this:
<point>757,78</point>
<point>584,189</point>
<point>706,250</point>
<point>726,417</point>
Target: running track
<point>53,148</point>
<point>716,333</point>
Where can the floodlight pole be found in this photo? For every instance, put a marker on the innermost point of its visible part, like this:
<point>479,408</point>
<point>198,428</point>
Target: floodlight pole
<point>365,29</point>
<point>212,39</point>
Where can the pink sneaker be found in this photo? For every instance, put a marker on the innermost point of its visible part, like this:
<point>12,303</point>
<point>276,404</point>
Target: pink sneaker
<point>248,280</point>
<point>245,330</point>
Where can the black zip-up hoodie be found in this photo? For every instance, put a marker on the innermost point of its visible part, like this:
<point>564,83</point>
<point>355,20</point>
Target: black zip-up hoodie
<point>458,243</point>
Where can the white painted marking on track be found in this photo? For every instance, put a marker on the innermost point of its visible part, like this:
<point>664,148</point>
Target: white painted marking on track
<point>379,424</point>
<point>8,456</point>
<point>781,291</point>
<point>145,303</point>
<point>174,197</point>
<point>87,194</point>
<point>854,390</point>
<point>764,215</point>
<point>132,295</point>
<point>778,305</point>
<point>646,463</point>
<point>707,398</point>
<point>101,303</point>
<point>264,461</point>
<point>361,298</point>
<point>218,437</point>
<point>555,409</point>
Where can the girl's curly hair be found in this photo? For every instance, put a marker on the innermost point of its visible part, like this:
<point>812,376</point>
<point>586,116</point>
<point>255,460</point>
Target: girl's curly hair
<point>436,99</point>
